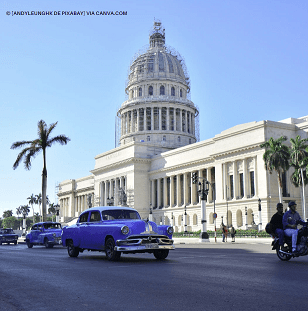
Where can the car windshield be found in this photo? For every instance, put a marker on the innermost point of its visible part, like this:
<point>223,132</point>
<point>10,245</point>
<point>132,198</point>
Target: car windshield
<point>52,226</point>
<point>8,231</point>
<point>119,214</point>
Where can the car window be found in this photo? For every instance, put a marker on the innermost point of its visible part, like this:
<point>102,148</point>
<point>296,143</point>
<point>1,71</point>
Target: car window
<point>84,217</point>
<point>39,227</point>
<point>8,231</point>
<point>119,214</point>
<point>34,227</point>
<point>95,216</point>
<point>52,226</point>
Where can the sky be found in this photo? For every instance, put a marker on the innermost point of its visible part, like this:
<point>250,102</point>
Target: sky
<point>247,61</point>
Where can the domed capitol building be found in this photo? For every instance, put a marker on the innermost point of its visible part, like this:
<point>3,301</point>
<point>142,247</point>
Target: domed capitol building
<point>159,151</point>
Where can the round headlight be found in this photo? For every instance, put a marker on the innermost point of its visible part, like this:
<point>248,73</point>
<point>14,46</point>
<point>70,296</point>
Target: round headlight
<point>125,230</point>
<point>170,230</point>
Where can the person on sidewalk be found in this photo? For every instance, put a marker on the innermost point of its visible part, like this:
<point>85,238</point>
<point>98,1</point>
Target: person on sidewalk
<point>232,231</point>
<point>224,233</point>
<point>276,225</point>
<point>290,220</point>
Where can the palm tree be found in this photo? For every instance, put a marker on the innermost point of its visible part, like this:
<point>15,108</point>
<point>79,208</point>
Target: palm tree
<point>32,200</point>
<point>299,160</point>
<point>18,212</point>
<point>276,157</point>
<point>34,147</point>
<point>39,202</point>
<point>52,210</point>
<point>8,213</point>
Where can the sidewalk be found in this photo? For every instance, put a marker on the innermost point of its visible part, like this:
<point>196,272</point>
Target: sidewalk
<point>219,240</point>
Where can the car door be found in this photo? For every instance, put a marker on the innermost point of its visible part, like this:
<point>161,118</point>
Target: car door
<point>34,234</point>
<point>91,231</point>
<point>83,224</point>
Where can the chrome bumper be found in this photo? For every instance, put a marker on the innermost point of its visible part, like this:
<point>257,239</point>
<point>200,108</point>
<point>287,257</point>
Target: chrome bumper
<point>144,243</point>
<point>141,248</point>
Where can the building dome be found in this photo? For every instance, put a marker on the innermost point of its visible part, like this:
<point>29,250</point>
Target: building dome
<point>158,109</point>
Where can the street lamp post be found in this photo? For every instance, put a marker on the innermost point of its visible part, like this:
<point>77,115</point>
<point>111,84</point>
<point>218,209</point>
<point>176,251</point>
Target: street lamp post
<point>203,192</point>
<point>151,214</point>
<point>215,215</point>
<point>185,220</point>
<point>246,220</point>
<point>260,220</point>
<point>24,213</point>
<point>57,207</point>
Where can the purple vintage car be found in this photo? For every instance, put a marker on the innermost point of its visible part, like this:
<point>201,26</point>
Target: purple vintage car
<point>44,233</point>
<point>116,230</point>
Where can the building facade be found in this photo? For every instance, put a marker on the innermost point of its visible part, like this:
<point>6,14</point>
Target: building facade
<point>152,168</point>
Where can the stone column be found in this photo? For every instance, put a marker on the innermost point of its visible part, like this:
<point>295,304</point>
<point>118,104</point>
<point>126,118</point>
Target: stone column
<point>178,189</point>
<point>245,177</point>
<point>171,191</point>
<point>158,192</point>
<point>185,188</point>
<point>165,192</point>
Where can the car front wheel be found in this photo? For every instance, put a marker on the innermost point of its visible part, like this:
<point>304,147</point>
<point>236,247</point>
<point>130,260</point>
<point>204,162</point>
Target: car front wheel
<point>111,254</point>
<point>161,254</point>
<point>30,245</point>
<point>72,250</point>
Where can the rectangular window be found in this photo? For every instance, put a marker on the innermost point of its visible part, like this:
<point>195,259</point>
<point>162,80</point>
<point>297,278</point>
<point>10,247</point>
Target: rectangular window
<point>231,187</point>
<point>252,183</point>
<point>241,185</point>
<point>148,118</point>
<point>164,118</point>
<point>141,116</point>
<point>171,119</point>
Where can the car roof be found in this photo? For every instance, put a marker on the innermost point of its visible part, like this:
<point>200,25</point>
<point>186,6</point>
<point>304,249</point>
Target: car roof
<point>46,222</point>
<point>105,208</point>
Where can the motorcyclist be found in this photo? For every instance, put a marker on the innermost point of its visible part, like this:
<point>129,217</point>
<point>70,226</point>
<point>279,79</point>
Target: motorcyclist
<point>276,224</point>
<point>290,221</point>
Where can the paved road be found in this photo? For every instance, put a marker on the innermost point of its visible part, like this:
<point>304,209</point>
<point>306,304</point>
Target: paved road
<point>194,277</point>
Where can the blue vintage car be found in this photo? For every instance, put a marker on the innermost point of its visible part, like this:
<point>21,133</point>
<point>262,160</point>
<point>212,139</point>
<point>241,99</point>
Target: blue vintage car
<point>116,230</point>
<point>8,236</point>
<point>44,233</point>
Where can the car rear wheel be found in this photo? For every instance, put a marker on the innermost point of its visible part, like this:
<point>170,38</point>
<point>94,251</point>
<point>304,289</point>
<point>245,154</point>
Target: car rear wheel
<point>72,250</point>
<point>47,245</point>
<point>111,254</point>
<point>15,242</point>
<point>30,245</point>
<point>161,254</point>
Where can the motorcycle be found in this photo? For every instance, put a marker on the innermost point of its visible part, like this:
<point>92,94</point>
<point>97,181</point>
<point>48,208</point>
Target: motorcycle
<point>285,253</point>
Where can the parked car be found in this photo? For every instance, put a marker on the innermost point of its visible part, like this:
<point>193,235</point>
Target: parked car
<point>116,230</point>
<point>8,236</point>
<point>44,233</point>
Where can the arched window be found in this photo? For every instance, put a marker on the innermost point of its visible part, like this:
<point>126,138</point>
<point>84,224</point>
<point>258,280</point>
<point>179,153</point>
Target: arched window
<point>190,140</point>
<point>140,91</point>
<point>172,91</point>
<point>179,139</point>
<point>162,90</point>
<point>148,138</point>
<point>181,93</point>
<point>150,90</point>
<point>164,138</point>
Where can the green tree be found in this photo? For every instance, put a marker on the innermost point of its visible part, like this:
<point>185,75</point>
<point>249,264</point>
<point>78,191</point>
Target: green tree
<point>7,213</point>
<point>299,160</point>
<point>32,200</point>
<point>10,222</point>
<point>276,158</point>
<point>34,147</point>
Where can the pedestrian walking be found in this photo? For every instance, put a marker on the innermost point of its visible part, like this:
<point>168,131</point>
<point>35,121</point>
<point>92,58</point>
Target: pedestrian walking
<point>224,233</point>
<point>232,231</point>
